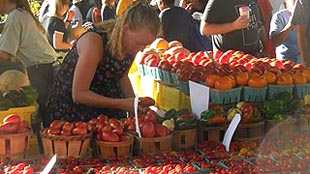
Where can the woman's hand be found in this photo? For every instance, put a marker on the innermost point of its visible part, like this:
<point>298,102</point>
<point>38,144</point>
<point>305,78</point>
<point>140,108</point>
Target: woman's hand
<point>143,105</point>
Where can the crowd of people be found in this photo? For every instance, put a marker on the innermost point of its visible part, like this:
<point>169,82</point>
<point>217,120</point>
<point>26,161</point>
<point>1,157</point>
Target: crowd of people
<point>93,80</point>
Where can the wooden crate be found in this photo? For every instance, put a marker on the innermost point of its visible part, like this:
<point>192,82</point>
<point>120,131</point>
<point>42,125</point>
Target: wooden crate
<point>184,139</point>
<point>250,131</point>
<point>65,146</point>
<point>115,149</point>
<point>211,133</point>
<point>154,145</point>
<point>14,146</point>
<point>282,128</point>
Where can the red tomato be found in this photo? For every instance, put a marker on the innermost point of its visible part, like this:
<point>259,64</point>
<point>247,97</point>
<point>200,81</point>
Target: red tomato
<point>146,101</point>
<point>93,122</point>
<point>151,116</point>
<point>118,131</point>
<point>8,128</point>
<point>109,136</point>
<point>28,170</point>
<point>12,118</point>
<point>114,123</point>
<point>79,130</point>
<point>131,127</point>
<point>66,132</point>
<point>57,124</point>
<point>124,137</point>
<point>147,129</point>
<point>68,127</point>
<point>80,124</point>
<point>53,131</point>
<point>102,117</point>
<point>161,130</point>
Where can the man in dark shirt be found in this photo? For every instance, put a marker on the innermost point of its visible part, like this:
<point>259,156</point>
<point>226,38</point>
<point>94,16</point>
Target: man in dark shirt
<point>229,30</point>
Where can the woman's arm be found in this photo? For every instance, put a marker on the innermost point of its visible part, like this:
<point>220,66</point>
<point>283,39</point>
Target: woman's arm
<point>90,50</point>
<point>58,42</point>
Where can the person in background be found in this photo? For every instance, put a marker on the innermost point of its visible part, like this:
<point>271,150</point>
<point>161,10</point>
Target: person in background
<point>56,26</point>
<point>266,11</point>
<point>108,10</point>
<point>301,21</point>
<point>193,5</point>
<point>43,10</point>
<point>31,47</point>
<point>229,30</point>
<point>283,34</point>
<point>77,19</point>
<point>178,24</point>
<point>93,78</point>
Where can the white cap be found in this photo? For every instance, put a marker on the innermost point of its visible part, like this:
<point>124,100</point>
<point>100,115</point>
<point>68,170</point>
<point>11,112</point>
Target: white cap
<point>76,1</point>
<point>153,3</point>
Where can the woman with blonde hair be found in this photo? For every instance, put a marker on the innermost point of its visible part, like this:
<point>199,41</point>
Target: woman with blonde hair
<point>93,78</point>
<point>23,39</point>
<point>56,25</point>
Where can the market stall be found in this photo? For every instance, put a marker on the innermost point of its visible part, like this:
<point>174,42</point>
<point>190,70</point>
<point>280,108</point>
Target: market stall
<point>271,97</point>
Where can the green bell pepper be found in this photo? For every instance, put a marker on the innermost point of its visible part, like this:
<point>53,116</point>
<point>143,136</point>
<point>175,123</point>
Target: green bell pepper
<point>170,114</point>
<point>207,115</point>
<point>272,107</point>
<point>284,97</point>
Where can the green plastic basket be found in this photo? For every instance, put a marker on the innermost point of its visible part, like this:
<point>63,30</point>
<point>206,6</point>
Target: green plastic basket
<point>154,73</point>
<point>225,96</point>
<point>141,70</point>
<point>166,77</point>
<point>254,94</point>
<point>300,91</point>
<point>184,87</point>
<point>174,78</point>
<point>274,90</point>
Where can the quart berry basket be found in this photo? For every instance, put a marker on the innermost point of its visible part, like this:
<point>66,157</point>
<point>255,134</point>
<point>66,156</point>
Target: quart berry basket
<point>254,94</point>
<point>300,91</point>
<point>225,96</point>
<point>274,90</point>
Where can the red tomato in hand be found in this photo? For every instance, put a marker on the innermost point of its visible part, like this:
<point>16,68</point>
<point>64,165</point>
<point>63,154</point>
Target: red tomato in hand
<point>147,129</point>
<point>146,101</point>
<point>109,136</point>
<point>12,118</point>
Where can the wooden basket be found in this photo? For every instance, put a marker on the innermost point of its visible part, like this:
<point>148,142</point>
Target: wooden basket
<point>250,131</point>
<point>154,145</point>
<point>115,149</point>
<point>14,146</point>
<point>303,122</point>
<point>65,146</point>
<point>282,128</point>
<point>211,133</point>
<point>184,139</point>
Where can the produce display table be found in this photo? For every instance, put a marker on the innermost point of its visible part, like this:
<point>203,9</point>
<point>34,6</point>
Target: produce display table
<point>273,155</point>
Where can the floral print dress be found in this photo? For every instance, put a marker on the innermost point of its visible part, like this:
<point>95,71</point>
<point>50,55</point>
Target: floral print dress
<point>105,82</point>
